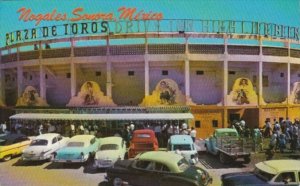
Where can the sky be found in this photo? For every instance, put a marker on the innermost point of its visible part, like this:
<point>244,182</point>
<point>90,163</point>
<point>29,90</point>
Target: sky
<point>285,12</point>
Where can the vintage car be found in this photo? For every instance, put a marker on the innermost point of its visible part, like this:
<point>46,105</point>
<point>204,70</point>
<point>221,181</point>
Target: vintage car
<point>79,149</point>
<point>110,150</point>
<point>12,145</point>
<point>273,172</point>
<point>44,146</point>
<point>183,145</point>
<point>157,168</point>
<point>226,143</point>
<point>142,141</point>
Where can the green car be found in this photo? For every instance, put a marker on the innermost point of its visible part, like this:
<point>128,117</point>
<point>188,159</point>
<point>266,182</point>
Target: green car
<point>157,168</point>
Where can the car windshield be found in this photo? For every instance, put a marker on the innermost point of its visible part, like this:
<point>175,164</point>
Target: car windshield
<point>266,176</point>
<point>182,147</point>
<point>143,135</point>
<point>109,147</point>
<point>231,134</point>
<point>39,142</point>
<point>183,164</point>
<point>75,144</point>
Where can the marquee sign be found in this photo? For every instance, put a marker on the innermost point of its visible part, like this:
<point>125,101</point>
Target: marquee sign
<point>132,20</point>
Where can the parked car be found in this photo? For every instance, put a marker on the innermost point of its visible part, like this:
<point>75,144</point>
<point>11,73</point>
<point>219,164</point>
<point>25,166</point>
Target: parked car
<point>80,148</point>
<point>273,172</point>
<point>110,150</point>
<point>183,145</point>
<point>44,146</point>
<point>12,145</point>
<point>142,141</point>
<point>226,143</point>
<point>157,168</point>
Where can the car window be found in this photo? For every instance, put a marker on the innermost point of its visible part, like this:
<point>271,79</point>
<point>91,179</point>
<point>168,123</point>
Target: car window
<point>109,147</point>
<point>161,167</point>
<point>59,138</point>
<point>264,175</point>
<point>143,135</point>
<point>39,142</point>
<point>182,147</point>
<point>286,177</point>
<point>140,164</point>
<point>183,164</point>
<point>75,144</point>
<point>54,140</point>
<point>93,141</point>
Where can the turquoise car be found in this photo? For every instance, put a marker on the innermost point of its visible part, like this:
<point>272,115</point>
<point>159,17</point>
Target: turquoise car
<point>79,149</point>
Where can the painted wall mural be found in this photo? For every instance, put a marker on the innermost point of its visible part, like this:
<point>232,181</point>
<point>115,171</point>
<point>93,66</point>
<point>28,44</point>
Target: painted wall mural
<point>166,92</point>
<point>90,95</point>
<point>30,97</point>
<point>295,94</point>
<point>242,93</point>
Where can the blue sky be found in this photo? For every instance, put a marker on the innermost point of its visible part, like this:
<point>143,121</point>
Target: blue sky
<point>285,12</point>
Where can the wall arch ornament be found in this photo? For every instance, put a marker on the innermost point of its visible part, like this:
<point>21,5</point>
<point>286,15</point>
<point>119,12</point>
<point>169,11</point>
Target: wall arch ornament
<point>242,93</point>
<point>166,93</point>
<point>90,94</point>
<point>30,97</point>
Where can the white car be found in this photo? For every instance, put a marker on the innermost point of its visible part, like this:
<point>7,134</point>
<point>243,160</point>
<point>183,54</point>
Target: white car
<point>44,146</point>
<point>110,150</point>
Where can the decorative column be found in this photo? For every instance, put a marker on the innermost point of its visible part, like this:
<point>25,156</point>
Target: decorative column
<point>260,74</point>
<point>73,70</point>
<point>42,82</point>
<point>108,70</point>
<point>146,58</point>
<point>20,79</point>
<point>288,45</point>
<point>225,71</point>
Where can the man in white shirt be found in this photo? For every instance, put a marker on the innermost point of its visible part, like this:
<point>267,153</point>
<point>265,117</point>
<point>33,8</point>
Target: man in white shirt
<point>193,134</point>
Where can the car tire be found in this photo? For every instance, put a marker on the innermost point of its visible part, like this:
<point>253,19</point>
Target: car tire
<point>117,181</point>
<point>7,157</point>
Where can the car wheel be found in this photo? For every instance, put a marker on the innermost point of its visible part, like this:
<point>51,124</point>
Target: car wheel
<point>7,157</point>
<point>117,182</point>
<point>247,159</point>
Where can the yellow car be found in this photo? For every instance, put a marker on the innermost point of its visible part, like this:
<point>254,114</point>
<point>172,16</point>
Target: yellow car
<point>12,145</point>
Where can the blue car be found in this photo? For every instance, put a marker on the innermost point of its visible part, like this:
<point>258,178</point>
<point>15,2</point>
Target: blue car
<point>78,150</point>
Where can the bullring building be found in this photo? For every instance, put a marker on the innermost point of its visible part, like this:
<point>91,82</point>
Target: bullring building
<point>207,72</point>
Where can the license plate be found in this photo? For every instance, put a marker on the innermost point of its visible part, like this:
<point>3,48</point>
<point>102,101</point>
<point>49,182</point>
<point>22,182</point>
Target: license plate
<point>69,161</point>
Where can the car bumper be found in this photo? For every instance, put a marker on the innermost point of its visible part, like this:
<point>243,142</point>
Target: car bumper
<point>69,161</point>
<point>34,158</point>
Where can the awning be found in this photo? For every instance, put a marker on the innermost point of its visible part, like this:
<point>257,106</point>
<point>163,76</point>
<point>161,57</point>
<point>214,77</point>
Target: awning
<point>133,116</point>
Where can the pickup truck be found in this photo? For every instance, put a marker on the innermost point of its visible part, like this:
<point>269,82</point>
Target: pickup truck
<point>142,141</point>
<point>226,143</point>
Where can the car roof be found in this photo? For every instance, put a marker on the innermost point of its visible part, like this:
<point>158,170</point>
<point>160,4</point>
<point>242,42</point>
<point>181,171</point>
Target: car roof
<point>181,139</point>
<point>276,166</point>
<point>220,130</point>
<point>169,159</point>
<point>47,136</point>
<point>110,140</point>
<point>82,138</point>
<point>142,131</point>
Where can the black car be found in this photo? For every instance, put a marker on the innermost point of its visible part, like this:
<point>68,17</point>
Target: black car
<point>157,168</point>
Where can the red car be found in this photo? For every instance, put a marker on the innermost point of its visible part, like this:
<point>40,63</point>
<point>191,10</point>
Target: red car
<point>142,141</point>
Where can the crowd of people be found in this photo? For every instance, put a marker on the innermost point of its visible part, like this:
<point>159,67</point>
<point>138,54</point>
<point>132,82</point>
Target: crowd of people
<point>70,128</point>
<point>283,135</point>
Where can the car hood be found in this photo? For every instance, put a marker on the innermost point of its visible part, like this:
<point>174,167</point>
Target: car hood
<point>240,179</point>
<point>195,173</point>
<point>71,150</point>
<point>35,149</point>
<point>107,154</point>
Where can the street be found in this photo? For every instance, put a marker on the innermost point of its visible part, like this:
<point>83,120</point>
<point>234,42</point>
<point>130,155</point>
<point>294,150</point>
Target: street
<point>16,172</point>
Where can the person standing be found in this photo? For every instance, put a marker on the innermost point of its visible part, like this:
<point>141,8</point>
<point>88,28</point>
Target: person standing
<point>193,134</point>
<point>3,127</point>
